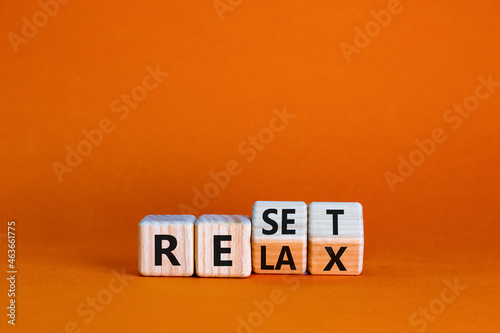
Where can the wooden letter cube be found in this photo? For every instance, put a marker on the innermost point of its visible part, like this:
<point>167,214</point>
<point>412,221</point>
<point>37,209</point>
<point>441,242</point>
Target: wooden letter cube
<point>166,245</point>
<point>335,238</point>
<point>279,237</point>
<point>223,246</point>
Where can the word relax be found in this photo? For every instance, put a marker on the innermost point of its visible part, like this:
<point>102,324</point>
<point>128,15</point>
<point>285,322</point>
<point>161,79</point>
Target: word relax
<point>283,237</point>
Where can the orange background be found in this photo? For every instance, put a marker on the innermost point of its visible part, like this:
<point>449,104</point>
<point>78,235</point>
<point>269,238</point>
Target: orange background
<point>353,121</point>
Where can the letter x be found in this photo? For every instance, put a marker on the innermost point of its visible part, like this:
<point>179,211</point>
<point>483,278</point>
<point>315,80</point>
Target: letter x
<point>335,258</point>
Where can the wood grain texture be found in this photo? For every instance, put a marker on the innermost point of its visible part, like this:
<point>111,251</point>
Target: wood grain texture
<point>351,258</point>
<point>239,227</point>
<point>275,243</point>
<point>298,249</point>
<point>179,226</point>
<point>321,235</point>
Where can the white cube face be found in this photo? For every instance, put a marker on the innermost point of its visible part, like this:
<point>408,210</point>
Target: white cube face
<point>223,246</point>
<point>279,219</point>
<point>336,238</point>
<point>279,237</point>
<point>166,245</point>
<point>340,219</point>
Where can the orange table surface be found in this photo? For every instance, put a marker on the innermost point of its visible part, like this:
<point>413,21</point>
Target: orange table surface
<point>391,104</point>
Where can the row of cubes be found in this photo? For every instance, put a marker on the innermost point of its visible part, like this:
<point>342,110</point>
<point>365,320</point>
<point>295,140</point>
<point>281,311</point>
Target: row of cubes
<point>283,237</point>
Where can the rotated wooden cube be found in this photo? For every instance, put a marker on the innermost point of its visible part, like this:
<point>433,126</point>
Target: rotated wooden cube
<point>166,245</point>
<point>336,238</point>
<point>223,246</point>
<point>279,237</point>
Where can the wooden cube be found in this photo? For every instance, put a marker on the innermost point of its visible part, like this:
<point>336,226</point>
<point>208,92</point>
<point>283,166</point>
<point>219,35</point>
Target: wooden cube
<point>279,237</point>
<point>166,245</point>
<point>223,246</point>
<point>336,238</point>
